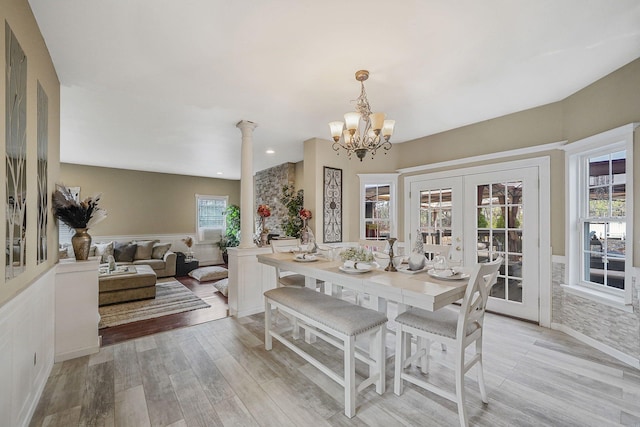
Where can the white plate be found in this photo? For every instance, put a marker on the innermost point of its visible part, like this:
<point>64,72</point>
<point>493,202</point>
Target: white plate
<point>350,270</point>
<point>454,276</point>
<point>309,258</point>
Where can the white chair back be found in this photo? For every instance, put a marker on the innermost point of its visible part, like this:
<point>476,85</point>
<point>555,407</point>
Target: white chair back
<point>474,303</point>
<point>431,251</point>
<point>283,246</point>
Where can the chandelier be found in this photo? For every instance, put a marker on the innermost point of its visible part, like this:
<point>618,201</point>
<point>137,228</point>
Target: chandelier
<point>365,131</point>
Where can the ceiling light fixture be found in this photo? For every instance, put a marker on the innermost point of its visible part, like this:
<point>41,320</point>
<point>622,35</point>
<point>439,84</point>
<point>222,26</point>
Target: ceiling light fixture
<point>376,131</point>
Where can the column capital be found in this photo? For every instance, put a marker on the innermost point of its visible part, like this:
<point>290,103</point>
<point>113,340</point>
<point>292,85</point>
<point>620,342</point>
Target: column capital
<point>246,125</point>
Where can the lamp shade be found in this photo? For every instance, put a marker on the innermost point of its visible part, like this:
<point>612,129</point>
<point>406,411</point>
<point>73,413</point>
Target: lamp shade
<point>336,129</point>
<point>352,120</point>
<point>387,128</point>
<point>377,120</point>
<point>347,137</point>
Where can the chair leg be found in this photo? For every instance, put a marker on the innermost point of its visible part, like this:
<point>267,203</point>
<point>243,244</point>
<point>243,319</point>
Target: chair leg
<point>400,356</point>
<point>349,377</point>
<point>480,368</point>
<point>460,394</point>
<point>268,345</point>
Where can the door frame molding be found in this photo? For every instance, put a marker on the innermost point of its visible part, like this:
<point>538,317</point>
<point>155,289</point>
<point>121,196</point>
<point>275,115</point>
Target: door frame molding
<point>543,164</point>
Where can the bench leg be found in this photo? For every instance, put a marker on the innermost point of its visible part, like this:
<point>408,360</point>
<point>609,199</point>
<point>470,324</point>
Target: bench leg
<point>349,377</point>
<point>267,325</point>
<point>380,358</point>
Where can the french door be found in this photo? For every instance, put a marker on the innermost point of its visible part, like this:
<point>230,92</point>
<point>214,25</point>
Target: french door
<point>485,216</point>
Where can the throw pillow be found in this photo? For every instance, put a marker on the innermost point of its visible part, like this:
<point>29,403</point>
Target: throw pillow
<point>103,250</point>
<point>159,249</point>
<point>124,252</point>
<point>222,286</point>
<point>205,274</point>
<point>144,249</point>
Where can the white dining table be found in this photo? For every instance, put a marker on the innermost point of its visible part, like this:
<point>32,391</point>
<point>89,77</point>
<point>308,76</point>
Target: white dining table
<point>416,290</point>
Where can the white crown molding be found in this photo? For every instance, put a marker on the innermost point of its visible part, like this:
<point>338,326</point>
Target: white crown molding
<point>492,156</point>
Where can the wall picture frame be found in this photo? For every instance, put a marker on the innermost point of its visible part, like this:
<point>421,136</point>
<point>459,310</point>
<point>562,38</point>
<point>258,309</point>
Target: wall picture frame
<point>332,205</point>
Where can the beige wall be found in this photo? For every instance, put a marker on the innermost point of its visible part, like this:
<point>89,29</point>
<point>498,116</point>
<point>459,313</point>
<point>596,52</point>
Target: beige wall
<point>318,154</point>
<point>40,68</point>
<point>606,104</point>
<point>145,202</point>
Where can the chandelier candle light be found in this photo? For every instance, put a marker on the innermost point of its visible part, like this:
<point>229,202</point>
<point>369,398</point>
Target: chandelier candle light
<point>365,131</point>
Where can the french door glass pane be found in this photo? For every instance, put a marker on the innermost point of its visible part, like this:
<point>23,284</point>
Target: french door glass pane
<point>435,216</point>
<point>500,219</point>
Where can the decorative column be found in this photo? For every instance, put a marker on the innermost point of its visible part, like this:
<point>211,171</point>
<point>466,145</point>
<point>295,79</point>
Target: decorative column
<point>246,184</point>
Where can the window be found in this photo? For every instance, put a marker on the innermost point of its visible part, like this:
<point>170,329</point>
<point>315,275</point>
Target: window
<point>600,218</point>
<point>210,220</point>
<point>378,206</point>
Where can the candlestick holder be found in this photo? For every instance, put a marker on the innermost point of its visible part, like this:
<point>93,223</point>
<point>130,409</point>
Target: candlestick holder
<point>391,267</point>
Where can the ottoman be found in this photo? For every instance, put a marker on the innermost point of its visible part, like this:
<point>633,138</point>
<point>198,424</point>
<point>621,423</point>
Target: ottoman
<point>119,288</point>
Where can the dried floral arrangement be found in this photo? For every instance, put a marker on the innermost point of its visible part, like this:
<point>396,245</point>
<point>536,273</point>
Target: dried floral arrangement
<point>188,241</point>
<point>356,254</point>
<point>74,213</point>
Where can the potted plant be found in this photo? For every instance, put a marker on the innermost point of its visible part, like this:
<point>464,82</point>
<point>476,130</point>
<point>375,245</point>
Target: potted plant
<point>293,201</point>
<point>231,236</point>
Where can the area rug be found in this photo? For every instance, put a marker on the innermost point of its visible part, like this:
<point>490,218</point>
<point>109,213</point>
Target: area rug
<point>171,297</point>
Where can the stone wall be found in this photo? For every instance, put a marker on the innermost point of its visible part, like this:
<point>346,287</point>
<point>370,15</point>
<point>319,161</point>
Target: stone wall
<point>268,190</point>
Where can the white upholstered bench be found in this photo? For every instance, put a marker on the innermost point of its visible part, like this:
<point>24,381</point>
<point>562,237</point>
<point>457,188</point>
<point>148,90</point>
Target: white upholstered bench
<point>338,323</point>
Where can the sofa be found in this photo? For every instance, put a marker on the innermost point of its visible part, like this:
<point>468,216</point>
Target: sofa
<point>153,253</point>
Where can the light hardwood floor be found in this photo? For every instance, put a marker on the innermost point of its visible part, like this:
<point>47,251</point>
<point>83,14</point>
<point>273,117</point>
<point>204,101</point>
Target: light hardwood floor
<point>218,373</point>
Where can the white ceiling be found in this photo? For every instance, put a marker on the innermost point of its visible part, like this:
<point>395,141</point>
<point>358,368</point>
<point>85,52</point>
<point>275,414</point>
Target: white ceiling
<point>159,85</point>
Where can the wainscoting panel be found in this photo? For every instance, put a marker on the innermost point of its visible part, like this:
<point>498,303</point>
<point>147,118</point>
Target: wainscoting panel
<point>26,349</point>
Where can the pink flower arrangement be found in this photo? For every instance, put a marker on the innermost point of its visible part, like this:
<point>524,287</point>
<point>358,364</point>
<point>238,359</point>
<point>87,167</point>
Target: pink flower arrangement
<point>305,214</point>
<point>264,211</point>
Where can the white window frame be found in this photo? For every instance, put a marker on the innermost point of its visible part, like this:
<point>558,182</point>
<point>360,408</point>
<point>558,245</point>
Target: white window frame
<point>575,180</point>
<point>390,179</point>
<point>201,236</point>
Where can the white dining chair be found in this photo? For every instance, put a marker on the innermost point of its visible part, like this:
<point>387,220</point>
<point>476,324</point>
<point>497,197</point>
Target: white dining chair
<point>284,278</point>
<point>431,251</point>
<point>458,329</point>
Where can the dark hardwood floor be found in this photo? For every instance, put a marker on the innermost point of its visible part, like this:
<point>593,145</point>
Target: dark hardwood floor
<point>218,310</point>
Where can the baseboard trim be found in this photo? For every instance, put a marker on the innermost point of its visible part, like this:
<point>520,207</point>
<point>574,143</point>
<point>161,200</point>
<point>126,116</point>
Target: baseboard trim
<point>623,357</point>
<point>248,312</point>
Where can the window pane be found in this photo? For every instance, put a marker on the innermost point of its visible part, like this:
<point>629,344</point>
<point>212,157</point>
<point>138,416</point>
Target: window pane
<point>618,166</point>
<point>515,217</point>
<point>211,213</point>
<point>515,290</point>
<point>599,202</point>
<point>618,200</point>
<point>599,170</point>
<point>514,194</point>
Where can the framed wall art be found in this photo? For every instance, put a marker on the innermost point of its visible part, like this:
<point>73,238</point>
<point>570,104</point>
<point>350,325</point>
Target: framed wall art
<point>332,205</point>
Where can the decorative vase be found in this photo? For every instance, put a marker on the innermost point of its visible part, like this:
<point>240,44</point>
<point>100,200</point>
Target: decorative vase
<point>304,233</point>
<point>264,238</point>
<point>416,258</point>
<point>81,242</point>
